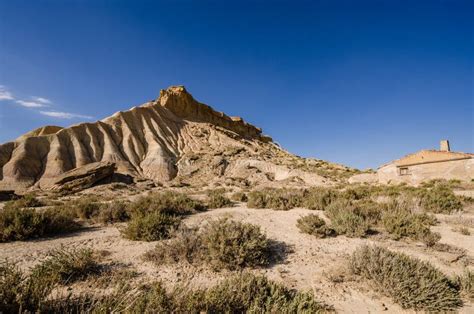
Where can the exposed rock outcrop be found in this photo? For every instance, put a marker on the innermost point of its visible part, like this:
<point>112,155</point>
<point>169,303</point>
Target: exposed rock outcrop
<point>173,138</point>
<point>84,177</point>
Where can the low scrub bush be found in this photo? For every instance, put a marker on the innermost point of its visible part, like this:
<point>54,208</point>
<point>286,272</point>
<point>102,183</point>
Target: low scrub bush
<point>217,199</point>
<point>65,266</point>
<point>22,224</point>
<point>440,199</point>
<point>171,203</point>
<point>242,293</point>
<point>312,224</point>
<point>116,211</point>
<point>399,221</point>
<point>466,284</point>
<point>221,244</point>
<point>279,199</point>
<point>408,281</point>
<point>346,218</point>
<point>151,226</point>
<point>319,198</point>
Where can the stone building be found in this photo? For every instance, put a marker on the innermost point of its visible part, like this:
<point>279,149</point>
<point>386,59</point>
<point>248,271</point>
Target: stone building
<point>424,165</point>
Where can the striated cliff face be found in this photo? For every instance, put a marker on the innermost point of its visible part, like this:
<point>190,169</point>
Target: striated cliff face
<point>172,138</point>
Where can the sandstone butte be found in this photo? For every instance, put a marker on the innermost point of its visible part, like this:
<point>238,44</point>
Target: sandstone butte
<point>171,140</point>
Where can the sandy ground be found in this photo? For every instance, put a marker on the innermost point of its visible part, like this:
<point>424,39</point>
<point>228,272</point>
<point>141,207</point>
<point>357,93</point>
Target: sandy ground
<point>310,263</point>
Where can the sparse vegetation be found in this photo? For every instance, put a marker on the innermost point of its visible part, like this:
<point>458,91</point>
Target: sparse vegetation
<point>171,203</point>
<point>440,199</point>
<point>67,265</point>
<point>400,222</point>
<point>314,225</point>
<point>116,211</point>
<point>319,198</point>
<point>150,226</point>
<point>221,244</point>
<point>28,200</point>
<point>242,293</point>
<point>346,218</point>
<point>408,281</point>
<point>278,199</point>
<point>466,284</point>
<point>26,223</point>
<point>218,199</point>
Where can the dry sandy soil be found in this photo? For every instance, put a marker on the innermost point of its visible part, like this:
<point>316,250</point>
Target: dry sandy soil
<point>308,263</point>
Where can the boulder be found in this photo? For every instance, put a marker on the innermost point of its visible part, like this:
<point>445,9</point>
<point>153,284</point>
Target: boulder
<point>84,177</point>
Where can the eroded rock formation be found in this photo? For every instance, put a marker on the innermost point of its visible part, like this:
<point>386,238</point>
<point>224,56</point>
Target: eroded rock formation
<point>173,138</point>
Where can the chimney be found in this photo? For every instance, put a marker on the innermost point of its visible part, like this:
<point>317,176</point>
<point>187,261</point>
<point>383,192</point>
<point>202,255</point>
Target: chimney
<point>444,146</point>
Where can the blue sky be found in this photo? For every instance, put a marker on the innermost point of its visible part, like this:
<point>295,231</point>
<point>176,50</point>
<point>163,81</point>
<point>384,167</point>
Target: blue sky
<point>355,82</point>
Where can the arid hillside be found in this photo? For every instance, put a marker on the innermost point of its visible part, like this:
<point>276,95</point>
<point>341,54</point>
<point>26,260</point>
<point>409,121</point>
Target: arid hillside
<point>171,140</point>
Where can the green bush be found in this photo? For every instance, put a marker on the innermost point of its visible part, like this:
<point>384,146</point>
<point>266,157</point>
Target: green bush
<point>151,226</point>
<point>116,211</point>
<point>221,244</point>
<point>22,224</point>
<point>241,293</point>
<point>408,281</point>
<point>312,224</point>
<point>67,265</point>
<point>20,293</point>
<point>217,199</point>
<point>400,222</point>
<point>278,199</point>
<point>319,198</point>
<point>440,199</point>
<point>171,203</point>
<point>346,218</point>
<point>247,293</point>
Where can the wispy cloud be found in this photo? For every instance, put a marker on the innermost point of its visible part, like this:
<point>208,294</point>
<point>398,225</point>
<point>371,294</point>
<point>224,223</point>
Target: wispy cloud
<point>30,104</point>
<point>5,94</point>
<point>42,100</point>
<point>64,115</point>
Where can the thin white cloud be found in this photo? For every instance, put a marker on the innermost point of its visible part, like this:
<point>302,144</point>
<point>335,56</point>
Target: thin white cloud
<point>42,100</point>
<point>64,115</point>
<point>30,104</point>
<point>5,94</point>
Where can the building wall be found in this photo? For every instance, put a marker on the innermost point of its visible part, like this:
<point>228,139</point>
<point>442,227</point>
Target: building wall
<point>455,169</point>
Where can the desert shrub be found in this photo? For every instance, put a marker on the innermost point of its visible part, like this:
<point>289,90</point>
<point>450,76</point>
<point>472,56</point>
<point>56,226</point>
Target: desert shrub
<point>319,198</point>
<point>399,221</point>
<point>151,226</point>
<point>466,284</point>
<point>233,245</point>
<point>217,199</point>
<point>357,192</point>
<point>462,230</point>
<point>85,207</point>
<point>67,265</point>
<point>20,293</point>
<point>22,224</point>
<point>440,199</point>
<point>408,281</point>
<point>239,197</point>
<point>347,219</point>
<point>312,224</point>
<point>186,245</point>
<point>221,244</point>
<point>28,200</point>
<point>171,203</point>
<point>248,293</point>
<point>278,199</point>
<point>241,293</point>
<point>113,212</point>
